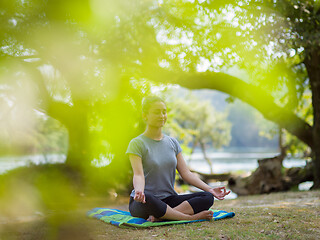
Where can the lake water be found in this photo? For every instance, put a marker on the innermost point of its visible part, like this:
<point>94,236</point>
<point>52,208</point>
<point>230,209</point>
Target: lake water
<point>223,162</point>
<point>11,162</point>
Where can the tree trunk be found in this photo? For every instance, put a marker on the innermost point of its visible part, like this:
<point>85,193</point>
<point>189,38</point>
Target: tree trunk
<point>203,149</point>
<point>280,140</point>
<point>74,118</point>
<point>268,178</point>
<point>78,149</point>
<point>265,179</point>
<point>312,62</point>
<point>296,175</point>
<point>194,144</point>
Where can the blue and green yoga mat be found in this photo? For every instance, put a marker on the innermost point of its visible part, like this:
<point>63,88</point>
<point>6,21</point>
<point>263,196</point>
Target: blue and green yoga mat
<point>124,219</point>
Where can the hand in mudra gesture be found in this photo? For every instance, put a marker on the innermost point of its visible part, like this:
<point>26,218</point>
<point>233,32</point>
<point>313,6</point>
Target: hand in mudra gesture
<point>219,192</point>
<point>139,197</point>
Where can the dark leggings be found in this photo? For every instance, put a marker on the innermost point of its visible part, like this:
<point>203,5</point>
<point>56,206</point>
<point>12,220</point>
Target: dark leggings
<point>199,202</point>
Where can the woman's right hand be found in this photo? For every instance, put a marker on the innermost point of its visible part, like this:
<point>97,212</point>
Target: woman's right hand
<point>139,197</point>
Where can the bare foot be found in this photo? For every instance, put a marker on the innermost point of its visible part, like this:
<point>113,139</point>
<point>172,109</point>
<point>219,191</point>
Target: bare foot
<point>153,219</point>
<point>203,215</point>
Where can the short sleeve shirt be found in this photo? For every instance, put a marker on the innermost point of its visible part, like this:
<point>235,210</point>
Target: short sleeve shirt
<point>159,163</point>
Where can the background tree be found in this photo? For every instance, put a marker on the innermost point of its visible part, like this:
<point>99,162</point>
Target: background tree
<point>197,123</point>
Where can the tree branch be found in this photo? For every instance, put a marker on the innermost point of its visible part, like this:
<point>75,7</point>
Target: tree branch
<point>253,95</point>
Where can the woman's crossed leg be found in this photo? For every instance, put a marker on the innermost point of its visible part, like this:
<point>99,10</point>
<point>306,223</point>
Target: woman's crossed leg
<point>176,207</point>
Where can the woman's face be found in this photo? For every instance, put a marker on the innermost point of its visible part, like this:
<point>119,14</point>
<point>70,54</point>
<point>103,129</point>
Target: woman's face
<point>157,115</point>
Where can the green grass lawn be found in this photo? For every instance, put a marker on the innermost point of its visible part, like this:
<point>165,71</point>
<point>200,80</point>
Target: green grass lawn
<point>288,215</point>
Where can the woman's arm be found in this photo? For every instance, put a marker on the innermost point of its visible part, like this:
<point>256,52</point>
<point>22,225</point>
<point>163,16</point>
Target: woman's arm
<point>138,178</point>
<point>191,178</point>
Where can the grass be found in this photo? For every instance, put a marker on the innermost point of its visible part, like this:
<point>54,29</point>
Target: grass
<point>288,215</point>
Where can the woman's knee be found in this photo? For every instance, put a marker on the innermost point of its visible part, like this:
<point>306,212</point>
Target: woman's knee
<point>156,207</point>
<point>152,206</point>
<point>208,199</point>
<point>137,209</point>
<point>150,199</point>
<point>203,201</point>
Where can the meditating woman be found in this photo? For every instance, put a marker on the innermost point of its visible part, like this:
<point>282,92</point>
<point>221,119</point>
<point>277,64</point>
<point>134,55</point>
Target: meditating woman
<point>154,158</point>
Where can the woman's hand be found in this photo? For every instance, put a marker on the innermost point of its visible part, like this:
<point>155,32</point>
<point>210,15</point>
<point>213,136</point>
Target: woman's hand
<point>219,192</point>
<point>139,197</point>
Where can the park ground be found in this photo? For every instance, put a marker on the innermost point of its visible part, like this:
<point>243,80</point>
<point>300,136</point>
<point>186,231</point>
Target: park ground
<point>286,215</point>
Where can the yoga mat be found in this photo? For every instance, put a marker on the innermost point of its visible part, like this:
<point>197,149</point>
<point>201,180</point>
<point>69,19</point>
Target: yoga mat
<point>124,219</point>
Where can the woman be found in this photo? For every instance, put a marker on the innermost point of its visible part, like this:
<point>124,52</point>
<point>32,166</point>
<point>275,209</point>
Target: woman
<point>154,158</point>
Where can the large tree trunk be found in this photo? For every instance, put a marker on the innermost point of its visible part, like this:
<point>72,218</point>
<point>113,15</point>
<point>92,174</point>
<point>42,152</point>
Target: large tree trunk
<point>74,118</point>
<point>79,147</point>
<point>312,62</point>
<point>269,177</point>
<point>265,179</point>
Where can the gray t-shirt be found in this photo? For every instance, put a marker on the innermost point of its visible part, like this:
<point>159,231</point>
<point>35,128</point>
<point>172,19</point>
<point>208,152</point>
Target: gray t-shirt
<point>159,163</point>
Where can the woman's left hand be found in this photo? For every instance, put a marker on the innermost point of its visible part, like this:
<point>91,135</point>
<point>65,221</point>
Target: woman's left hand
<point>219,192</point>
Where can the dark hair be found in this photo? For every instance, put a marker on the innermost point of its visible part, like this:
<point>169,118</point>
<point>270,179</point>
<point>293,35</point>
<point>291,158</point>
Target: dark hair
<point>148,101</point>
